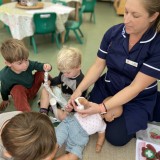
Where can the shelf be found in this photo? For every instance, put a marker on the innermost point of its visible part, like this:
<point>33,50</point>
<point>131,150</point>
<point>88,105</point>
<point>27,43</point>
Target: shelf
<point>119,6</point>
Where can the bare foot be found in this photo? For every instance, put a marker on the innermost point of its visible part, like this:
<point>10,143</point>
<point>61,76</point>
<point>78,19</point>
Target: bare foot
<point>98,148</point>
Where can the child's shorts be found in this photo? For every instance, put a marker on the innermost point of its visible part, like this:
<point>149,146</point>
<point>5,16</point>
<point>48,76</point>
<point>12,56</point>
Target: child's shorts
<point>69,131</point>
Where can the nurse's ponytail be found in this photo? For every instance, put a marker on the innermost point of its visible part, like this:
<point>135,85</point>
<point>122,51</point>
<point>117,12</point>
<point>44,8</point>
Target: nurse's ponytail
<point>153,6</point>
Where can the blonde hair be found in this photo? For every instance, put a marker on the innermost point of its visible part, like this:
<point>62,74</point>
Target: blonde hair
<point>29,136</point>
<point>153,6</point>
<point>68,58</point>
<point>14,50</point>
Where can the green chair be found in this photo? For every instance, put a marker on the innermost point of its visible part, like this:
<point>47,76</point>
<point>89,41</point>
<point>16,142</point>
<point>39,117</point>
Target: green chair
<point>54,1</point>
<point>74,26</point>
<point>59,2</point>
<point>45,23</point>
<point>89,8</point>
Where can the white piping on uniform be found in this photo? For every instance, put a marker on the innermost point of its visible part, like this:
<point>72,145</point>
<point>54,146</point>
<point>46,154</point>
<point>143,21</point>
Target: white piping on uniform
<point>151,67</point>
<point>151,86</point>
<point>103,51</point>
<point>107,80</point>
<point>149,39</point>
<point>123,32</point>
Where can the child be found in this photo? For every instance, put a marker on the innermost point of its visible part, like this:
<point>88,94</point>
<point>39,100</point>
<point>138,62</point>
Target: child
<point>17,79</point>
<point>70,76</point>
<point>75,129</point>
<point>26,136</point>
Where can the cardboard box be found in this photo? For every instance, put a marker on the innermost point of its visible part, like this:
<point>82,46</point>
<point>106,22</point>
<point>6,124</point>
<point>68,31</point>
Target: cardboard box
<point>151,134</point>
<point>147,151</point>
<point>148,142</point>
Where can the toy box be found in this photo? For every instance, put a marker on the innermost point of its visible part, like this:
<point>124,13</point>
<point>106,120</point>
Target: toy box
<point>148,143</point>
<point>147,151</point>
<point>151,134</point>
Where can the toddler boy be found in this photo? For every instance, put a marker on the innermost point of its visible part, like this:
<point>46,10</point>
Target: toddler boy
<point>70,76</point>
<point>17,78</point>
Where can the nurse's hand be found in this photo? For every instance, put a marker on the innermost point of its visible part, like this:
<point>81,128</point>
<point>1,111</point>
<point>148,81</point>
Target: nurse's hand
<point>71,103</point>
<point>92,108</point>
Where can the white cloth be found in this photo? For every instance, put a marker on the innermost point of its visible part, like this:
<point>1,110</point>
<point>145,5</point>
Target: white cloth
<point>21,23</point>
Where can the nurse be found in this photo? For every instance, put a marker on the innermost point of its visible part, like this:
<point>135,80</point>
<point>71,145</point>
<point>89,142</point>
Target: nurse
<point>131,53</point>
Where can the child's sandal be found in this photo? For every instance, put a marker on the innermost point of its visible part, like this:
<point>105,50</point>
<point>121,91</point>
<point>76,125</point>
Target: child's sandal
<point>44,111</point>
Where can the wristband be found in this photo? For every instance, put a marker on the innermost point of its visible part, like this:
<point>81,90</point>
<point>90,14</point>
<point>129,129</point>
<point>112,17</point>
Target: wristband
<point>103,109</point>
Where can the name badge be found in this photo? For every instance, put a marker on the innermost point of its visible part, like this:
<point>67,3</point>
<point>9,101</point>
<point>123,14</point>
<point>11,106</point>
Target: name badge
<point>132,63</point>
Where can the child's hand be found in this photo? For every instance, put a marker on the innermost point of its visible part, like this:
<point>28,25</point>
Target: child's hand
<point>3,105</point>
<point>47,67</point>
<point>71,103</point>
<point>68,108</point>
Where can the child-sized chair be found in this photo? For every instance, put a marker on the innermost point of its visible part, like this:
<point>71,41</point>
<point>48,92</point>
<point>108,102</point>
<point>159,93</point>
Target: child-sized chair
<point>44,23</point>
<point>89,8</point>
<point>74,26</point>
<point>59,2</point>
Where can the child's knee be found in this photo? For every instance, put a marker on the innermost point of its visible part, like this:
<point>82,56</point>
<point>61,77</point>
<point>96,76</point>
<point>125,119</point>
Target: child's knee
<point>39,74</point>
<point>17,89</point>
<point>39,77</point>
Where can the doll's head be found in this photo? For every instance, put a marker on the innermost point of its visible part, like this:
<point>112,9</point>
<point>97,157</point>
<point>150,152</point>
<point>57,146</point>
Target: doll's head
<point>82,103</point>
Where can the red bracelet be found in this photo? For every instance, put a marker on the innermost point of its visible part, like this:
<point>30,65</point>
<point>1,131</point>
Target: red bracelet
<point>103,109</point>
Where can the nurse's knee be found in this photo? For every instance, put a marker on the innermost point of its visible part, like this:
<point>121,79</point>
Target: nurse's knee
<point>117,140</point>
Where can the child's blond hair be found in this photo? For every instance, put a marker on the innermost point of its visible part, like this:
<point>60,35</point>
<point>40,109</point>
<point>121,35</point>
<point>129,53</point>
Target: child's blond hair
<point>68,58</point>
<point>29,136</point>
<point>14,50</point>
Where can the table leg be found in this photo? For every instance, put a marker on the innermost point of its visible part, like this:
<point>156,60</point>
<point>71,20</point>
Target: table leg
<point>76,6</point>
<point>76,11</point>
<point>62,37</point>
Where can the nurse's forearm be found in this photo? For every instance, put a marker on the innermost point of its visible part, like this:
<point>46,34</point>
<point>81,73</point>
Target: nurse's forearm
<point>92,75</point>
<point>121,97</point>
<point>140,82</point>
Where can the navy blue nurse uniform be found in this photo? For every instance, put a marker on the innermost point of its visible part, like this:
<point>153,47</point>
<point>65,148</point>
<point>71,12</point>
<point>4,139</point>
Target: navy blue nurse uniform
<point>122,67</point>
